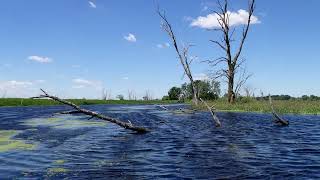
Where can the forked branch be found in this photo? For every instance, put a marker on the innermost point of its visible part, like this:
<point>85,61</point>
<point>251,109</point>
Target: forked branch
<point>78,109</point>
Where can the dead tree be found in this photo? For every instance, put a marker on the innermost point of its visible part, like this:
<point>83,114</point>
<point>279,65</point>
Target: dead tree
<point>79,110</point>
<point>213,114</point>
<point>106,94</point>
<point>183,54</point>
<point>132,95</point>
<point>147,96</point>
<point>278,119</point>
<point>231,59</point>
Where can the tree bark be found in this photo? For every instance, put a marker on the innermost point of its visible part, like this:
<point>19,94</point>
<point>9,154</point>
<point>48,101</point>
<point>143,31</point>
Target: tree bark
<point>78,109</point>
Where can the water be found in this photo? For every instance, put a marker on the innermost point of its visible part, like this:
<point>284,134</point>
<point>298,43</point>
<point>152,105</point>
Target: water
<point>179,146</point>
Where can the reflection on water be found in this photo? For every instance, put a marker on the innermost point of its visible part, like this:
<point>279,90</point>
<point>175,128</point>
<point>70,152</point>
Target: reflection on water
<point>33,143</point>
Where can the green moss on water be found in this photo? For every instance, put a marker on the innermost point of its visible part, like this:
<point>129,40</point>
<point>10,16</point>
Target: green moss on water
<point>7,143</point>
<point>60,161</point>
<point>56,170</point>
<point>64,122</point>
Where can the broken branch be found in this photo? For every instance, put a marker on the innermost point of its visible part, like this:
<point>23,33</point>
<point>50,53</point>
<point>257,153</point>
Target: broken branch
<point>278,118</point>
<point>215,118</point>
<point>78,109</point>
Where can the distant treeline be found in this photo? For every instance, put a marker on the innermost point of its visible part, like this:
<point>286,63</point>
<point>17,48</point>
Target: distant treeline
<point>288,97</point>
<point>210,90</point>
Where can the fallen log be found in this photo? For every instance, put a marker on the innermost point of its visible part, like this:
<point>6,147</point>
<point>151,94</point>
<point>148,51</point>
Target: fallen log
<point>278,120</point>
<point>78,109</point>
<point>213,114</point>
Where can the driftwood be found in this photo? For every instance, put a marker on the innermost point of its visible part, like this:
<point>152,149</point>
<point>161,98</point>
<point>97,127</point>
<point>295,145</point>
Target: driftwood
<point>215,118</point>
<point>278,120</point>
<point>79,110</point>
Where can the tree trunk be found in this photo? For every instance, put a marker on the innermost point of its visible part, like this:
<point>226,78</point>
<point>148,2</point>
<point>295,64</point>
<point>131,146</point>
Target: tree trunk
<point>195,98</point>
<point>231,94</point>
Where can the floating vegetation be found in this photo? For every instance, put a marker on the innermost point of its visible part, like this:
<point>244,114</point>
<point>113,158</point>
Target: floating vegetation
<point>7,143</point>
<point>60,161</point>
<point>56,170</point>
<point>64,122</point>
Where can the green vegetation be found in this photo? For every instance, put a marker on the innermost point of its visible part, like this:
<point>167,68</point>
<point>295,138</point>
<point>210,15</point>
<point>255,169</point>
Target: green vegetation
<point>46,102</point>
<point>292,106</point>
<point>64,122</point>
<point>7,143</point>
<point>208,90</point>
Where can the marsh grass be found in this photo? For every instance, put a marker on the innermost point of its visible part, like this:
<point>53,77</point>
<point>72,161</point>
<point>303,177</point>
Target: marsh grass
<point>7,102</point>
<point>281,106</point>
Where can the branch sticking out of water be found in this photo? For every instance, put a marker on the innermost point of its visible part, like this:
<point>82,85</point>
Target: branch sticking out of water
<point>215,118</point>
<point>276,116</point>
<point>77,109</point>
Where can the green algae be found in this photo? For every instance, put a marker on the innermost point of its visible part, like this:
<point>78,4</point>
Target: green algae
<point>7,143</point>
<point>64,122</point>
<point>60,161</point>
<point>56,170</point>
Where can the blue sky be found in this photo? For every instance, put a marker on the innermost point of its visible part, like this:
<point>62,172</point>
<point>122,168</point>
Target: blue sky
<point>75,48</point>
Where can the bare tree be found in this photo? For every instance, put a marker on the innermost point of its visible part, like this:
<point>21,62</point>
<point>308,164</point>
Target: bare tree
<point>106,94</point>
<point>147,96</point>
<point>132,95</point>
<point>231,59</point>
<point>242,79</point>
<point>182,51</point>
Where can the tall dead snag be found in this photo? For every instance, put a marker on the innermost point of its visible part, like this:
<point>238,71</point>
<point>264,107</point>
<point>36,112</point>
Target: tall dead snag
<point>79,110</point>
<point>213,114</point>
<point>183,54</point>
<point>278,119</point>
<point>231,58</point>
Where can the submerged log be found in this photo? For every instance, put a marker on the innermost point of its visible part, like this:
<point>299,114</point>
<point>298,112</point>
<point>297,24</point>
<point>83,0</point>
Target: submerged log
<point>278,119</point>
<point>78,109</point>
<point>213,114</point>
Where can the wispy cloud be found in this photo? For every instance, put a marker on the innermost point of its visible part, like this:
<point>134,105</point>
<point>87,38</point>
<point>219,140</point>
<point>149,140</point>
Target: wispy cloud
<point>201,77</point>
<point>40,59</point>
<point>16,88</point>
<point>205,8</point>
<point>235,18</point>
<point>164,45</point>
<point>130,37</point>
<point>84,83</point>
<point>92,4</point>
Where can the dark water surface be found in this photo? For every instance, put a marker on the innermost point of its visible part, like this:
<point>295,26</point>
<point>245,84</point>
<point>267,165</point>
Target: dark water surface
<point>180,146</point>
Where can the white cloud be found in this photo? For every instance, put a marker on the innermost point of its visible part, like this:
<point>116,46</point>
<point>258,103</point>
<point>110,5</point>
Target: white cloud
<point>201,77</point>
<point>83,83</point>
<point>92,4</point>
<point>164,45</point>
<point>40,59</point>
<point>130,37</point>
<point>125,78</point>
<point>236,18</point>
<point>14,88</point>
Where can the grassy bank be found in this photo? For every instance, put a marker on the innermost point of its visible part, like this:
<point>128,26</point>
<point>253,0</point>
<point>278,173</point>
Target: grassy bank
<point>6,102</point>
<point>281,106</point>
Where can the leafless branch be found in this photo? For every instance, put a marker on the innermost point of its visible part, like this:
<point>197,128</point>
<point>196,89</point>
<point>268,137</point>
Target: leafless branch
<point>213,114</point>
<point>92,114</point>
<point>275,115</point>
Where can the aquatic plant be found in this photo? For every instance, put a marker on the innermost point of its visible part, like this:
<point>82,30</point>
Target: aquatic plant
<point>8,143</point>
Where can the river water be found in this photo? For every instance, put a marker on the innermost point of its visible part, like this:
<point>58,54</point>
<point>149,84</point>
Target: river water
<point>34,143</point>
